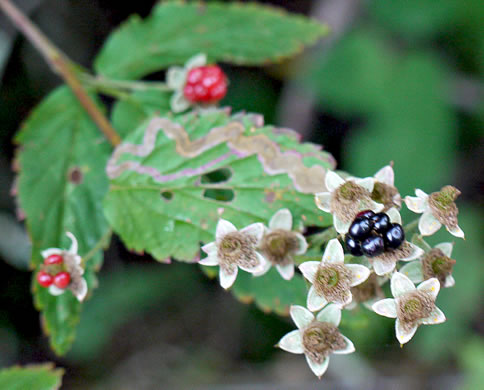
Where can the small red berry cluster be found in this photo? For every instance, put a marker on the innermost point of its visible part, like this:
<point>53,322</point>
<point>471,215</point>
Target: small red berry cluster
<point>205,84</point>
<point>53,273</point>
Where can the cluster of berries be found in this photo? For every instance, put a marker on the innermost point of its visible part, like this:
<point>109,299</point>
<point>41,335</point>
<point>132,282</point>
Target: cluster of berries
<point>205,84</point>
<point>371,234</point>
<point>53,273</point>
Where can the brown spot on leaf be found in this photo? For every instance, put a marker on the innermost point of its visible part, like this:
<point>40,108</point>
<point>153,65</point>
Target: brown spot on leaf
<point>246,299</point>
<point>270,196</point>
<point>201,29</point>
<point>75,175</point>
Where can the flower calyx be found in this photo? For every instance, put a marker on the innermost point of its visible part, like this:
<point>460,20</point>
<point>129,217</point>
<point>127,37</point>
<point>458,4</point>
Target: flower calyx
<point>384,190</point>
<point>317,337</point>
<point>410,306</point>
<point>331,278</point>
<point>345,198</point>
<point>280,244</point>
<point>437,209</point>
<point>233,249</point>
<point>435,263</point>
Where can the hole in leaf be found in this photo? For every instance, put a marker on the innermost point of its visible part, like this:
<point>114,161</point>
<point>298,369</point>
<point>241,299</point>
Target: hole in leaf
<point>220,194</point>
<point>217,176</point>
<point>167,195</point>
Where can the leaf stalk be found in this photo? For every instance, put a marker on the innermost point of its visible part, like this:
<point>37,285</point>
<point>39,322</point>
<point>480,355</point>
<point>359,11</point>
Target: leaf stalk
<point>61,65</point>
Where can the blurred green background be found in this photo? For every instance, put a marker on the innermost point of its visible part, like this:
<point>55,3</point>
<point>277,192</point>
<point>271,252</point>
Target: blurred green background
<point>398,80</point>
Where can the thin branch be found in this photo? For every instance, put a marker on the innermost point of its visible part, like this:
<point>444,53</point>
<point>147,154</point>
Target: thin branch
<point>101,83</point>
<point>61,65</point>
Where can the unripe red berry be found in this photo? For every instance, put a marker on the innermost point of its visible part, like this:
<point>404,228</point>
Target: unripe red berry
<point>44,279</point>
<point>205,84</point>
<point>365,214</point>
<point>53,259</point>
<point>62,279</point>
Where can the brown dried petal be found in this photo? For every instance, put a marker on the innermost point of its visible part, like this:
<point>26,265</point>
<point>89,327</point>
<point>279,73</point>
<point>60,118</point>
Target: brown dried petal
<point>320,339</point>
<point>237,248</point>
<point>414,306</point>
<point>333,282</point>
<point>443,206</point>
<point>435,264</point>
<point>386,195</point>
<point>346,200</point>
<point>279,245</point>
<point>367,290</point>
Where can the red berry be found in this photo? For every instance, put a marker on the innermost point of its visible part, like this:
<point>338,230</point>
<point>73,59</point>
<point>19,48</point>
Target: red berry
<point>62,279</point>
<point>365,214</point>
<point>44,279</point>
<point>205,84</point>
<point>53,259</point>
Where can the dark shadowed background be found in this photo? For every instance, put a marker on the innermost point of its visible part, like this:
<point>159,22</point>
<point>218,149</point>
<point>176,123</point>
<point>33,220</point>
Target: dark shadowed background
<point>397,81</point>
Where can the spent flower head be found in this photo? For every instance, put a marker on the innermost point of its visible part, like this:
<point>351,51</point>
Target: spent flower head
<point>384,190</point>
<point>316,338</point>
<point>331,278</point>
<point>279,244</point>
<point>233,249</point>
<point>346,198</point>
<point>62,270</point>
<point>437,209</point>
<point>368,292</point>
<point>436,263</point>
<point>410,306</point>
<point>385,263</point>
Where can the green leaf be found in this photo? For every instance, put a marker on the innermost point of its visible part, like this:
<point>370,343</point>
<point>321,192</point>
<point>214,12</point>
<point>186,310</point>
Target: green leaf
<point>167,197</point>
<point>127,294</point>
<point>248,34</point>
<point>471,357</point>
<point>270,292</point>
<point>418,130</point>
<point>61,184</point>
<point>353,76</point>
<point>402,97</point>
<point>129,113</point>
<point>416,18</point>
<point>34,377</point>
<point>162,201</point>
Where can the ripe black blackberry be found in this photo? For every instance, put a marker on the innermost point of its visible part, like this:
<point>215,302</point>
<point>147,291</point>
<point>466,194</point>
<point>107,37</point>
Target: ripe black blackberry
<point>394,236</point>
<point>372,234</point>
<point>381,222</point>
<point>360,228</point>
<point>353,246</point>
<point>373,246</point>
